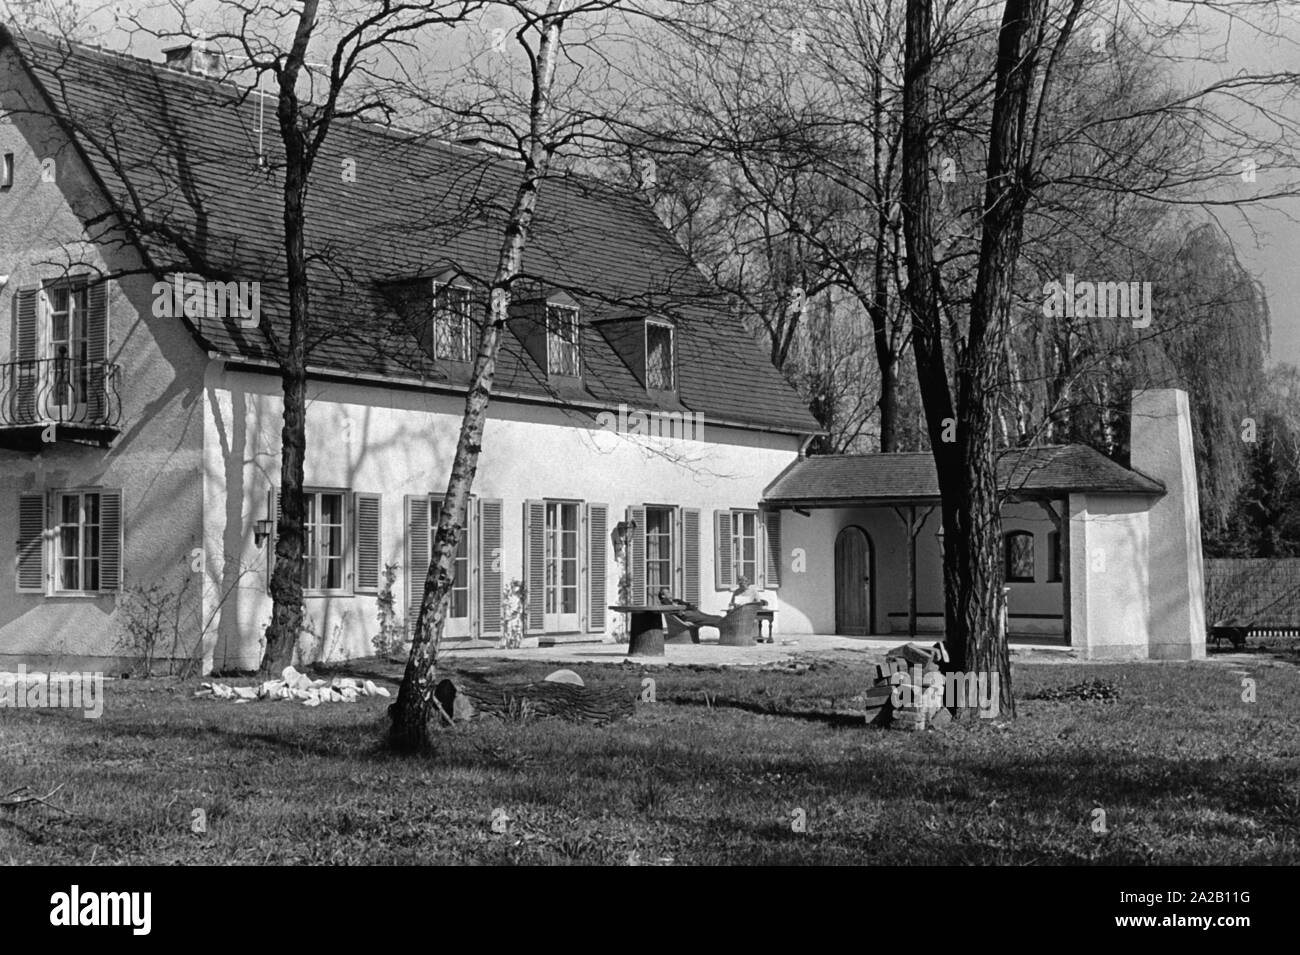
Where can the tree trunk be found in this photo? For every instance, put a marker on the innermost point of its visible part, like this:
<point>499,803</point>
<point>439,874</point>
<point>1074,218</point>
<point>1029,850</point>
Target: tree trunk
<point>966,462</point>
<point>286,579</point>
<point>409,729</point>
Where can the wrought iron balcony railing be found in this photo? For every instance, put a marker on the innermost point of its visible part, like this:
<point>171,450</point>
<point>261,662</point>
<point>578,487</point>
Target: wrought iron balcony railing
<point>63,391</point>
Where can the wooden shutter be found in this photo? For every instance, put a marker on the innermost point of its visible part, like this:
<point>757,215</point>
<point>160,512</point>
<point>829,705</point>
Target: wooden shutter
<point>535,563</point>
<point>110,539</point>
<point>771,521</point>
<point>723,572</point>
<point>24,408</point>
<point>597,566</point>
<point>367,510</point>
<point>691,555</point>
<point>96,350</point>
<point>417,555</point>
<point>636,554</point>
<point>489,559</point>
<point>30,570</point>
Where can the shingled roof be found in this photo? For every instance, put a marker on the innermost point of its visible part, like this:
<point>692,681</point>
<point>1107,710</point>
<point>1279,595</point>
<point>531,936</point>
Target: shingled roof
<point>177,154</point>
<point>841,480</point>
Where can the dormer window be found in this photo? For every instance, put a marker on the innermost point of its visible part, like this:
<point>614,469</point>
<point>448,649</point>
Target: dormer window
<point>451,321</point>
<point>562,357</point>
<point>660,360</point>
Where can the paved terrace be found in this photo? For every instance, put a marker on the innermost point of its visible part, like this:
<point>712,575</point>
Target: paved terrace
<point>709,653</point>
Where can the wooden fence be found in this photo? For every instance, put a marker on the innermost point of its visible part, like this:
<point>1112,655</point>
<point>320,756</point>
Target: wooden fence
<point>1264,591</point>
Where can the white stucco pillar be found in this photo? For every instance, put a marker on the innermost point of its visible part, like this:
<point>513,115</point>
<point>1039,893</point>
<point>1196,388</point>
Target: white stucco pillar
<point>1161,448</point>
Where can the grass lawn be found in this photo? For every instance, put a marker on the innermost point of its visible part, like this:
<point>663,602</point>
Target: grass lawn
<point>710,773</point>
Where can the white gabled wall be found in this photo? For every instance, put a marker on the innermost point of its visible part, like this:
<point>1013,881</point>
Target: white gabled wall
<point>156,458</point>
<point>398,442</point>
<point>1109,586</point>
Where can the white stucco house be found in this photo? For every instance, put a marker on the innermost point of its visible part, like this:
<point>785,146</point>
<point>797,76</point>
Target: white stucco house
<point>140,430</point>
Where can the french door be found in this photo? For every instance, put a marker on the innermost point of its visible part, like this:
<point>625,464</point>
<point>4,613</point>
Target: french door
<point>458,610</point>
<point>69,346</point>
<point>562,564</point>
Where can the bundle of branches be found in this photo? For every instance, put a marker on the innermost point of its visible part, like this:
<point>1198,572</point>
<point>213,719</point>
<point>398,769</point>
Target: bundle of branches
<point>458,702</point>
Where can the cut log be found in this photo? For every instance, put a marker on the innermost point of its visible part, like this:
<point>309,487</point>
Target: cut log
<point>578,704</point>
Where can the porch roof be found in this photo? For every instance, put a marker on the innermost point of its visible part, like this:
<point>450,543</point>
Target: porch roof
<point>840,480</point>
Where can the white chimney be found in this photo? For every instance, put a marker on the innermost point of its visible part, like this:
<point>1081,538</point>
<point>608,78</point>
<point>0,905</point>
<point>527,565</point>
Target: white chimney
<point>1161,448</point>
<point>196,56</point>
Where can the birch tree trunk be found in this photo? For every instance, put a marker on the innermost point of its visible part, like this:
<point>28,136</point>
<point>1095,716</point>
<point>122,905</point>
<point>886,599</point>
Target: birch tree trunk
<point>410,714</point>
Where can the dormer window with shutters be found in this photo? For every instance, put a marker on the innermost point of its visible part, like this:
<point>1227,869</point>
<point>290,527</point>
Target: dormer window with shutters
<point>59,384</point>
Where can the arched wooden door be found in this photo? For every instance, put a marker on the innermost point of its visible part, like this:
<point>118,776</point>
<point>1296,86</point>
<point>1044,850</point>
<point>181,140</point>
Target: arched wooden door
<point>854,588</point>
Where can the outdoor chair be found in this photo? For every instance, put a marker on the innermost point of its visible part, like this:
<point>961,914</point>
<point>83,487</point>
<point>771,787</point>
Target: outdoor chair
<point>676,628</point>
<point>740,626</point>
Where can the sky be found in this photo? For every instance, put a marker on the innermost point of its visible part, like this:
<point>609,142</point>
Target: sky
<point>1268,243</point>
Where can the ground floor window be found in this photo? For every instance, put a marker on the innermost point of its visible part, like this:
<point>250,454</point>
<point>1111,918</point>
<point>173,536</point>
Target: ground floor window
<point>458,607</point>
<point>659,551</point>
<point>323,524</point>
<point>562,556</point>
<point>1019,556</point>
<point>744,545</point>
<point>78,537</point>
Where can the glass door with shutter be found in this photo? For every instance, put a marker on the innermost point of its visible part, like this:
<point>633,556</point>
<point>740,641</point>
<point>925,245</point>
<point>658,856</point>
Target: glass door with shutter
<point>660,552</point>
<point>458,621</point>
<point>69,347</point>
<point>562,560</point>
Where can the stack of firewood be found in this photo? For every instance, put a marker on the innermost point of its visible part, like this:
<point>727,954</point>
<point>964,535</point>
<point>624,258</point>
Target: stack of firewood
<point>909,688</point>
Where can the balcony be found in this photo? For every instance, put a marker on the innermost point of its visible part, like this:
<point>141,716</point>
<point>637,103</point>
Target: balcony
<point>58,399</point>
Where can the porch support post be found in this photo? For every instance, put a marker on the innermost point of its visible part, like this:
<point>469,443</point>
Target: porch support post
<point>913,527</point>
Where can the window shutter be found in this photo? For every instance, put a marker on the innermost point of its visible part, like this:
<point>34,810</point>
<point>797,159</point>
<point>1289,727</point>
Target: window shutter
<point>535,563</point>
<point>24,411</point>
<point>489,559</point>
<point>723,576</point>
<point>417,555</point>
<point>367,550</point>
<point>636,554</point>
<point>110,539</point>
<point>597,566</point>
<point>96,350</point>
<point>30,570</point>
<point>771,521</point>
<point>691,555</point>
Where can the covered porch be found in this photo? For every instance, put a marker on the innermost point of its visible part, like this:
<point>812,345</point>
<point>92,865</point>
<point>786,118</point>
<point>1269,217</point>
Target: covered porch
<point>864,536</point>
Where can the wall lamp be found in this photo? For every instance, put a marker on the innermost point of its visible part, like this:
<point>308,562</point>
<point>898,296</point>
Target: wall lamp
<point>262,530</point>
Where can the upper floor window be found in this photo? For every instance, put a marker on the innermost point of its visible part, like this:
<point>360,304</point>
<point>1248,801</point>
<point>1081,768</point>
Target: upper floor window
<point>1019,547</point>
<point>69,341</point>
<point>562,340</point>
<point>659,358</point>
<point>451,322</point>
